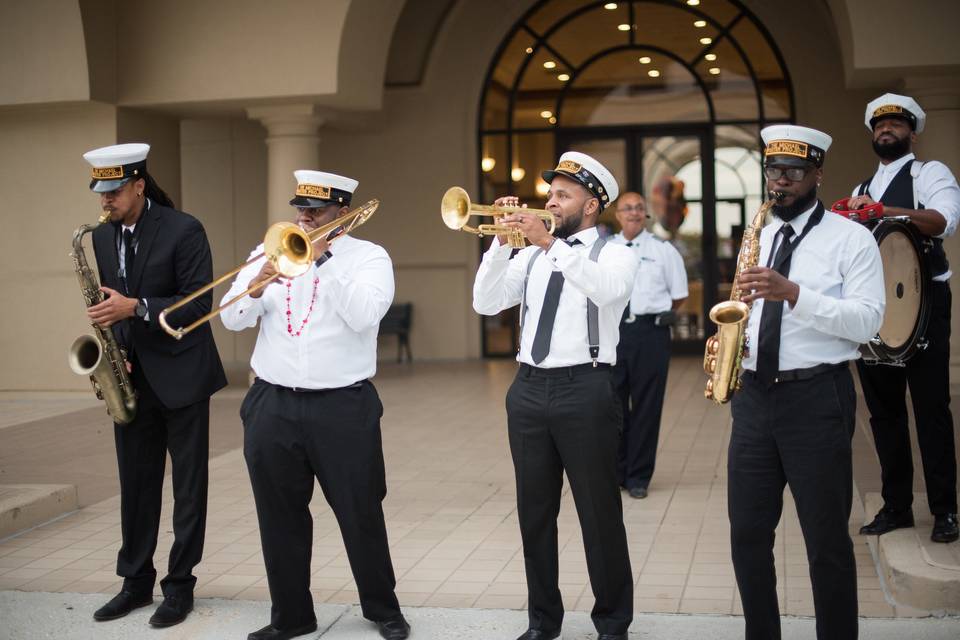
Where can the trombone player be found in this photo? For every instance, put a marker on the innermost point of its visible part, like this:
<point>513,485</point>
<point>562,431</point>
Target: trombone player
<point>312,414</point>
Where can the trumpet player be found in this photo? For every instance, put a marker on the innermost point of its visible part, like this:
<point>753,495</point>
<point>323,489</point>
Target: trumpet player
<point>312,414</point>
<point>148,258</point>
<point>817,297</point>
<point>563,413</point>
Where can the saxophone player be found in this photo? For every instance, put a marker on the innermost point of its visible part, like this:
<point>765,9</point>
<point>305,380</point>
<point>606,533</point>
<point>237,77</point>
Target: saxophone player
<point>148,258</point>
<point>818,295</point>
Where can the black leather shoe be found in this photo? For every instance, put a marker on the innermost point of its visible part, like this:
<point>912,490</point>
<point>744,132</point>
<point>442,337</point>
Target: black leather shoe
<point>612,636</point>
<point>945,528</point>
<point>122,604</point>
<point>538,634</point>
<point>638,492</point>
<point>270,632</point>
<point>394,629</point>
<point>887,520</point>
<point>173,610</point>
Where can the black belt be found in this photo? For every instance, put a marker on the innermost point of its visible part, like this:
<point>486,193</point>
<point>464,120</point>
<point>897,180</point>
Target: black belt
<point>561,372</point>
<point>796,375</point>
<point>355,385</point>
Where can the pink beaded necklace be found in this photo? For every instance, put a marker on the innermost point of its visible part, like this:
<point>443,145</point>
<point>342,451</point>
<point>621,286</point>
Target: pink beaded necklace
<point>306,318</point>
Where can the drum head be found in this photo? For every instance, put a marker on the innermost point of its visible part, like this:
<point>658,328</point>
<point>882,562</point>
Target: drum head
<point>903,281</point>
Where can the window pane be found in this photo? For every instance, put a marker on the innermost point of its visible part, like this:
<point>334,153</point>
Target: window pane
<point>732,89</point>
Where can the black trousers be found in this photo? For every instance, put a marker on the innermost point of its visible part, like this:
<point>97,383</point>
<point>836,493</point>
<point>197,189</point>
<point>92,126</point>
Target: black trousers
<point>569,420</point>
<point>640,377</point>
<point>292,440</point>
<point>797,434</point>
<point>142,449</point>
<point>884,388</point>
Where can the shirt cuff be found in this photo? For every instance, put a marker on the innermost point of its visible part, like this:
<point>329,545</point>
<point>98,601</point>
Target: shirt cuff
<point>498,251</point>
<point>248,303</point>
<point>807,302</point>
<point>146,305</point>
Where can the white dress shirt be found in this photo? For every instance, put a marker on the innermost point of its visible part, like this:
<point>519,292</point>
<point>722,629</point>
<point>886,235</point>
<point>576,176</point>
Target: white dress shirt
<point>607,282</point>
<point>935,187</point>
<point>338,345</point>
<point>661,276</point>
<point>841,301</point>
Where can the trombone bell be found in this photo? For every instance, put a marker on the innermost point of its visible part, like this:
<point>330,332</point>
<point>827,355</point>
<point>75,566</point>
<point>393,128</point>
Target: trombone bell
<point>288,247</point>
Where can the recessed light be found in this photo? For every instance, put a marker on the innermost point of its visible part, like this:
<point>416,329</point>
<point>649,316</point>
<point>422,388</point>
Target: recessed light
<point>653,73</point>
<point>610,6</point>
<point>546,114</point>
<point>549,64</point>
<point>563,77</point>
<point>645,60</point>
<point>706,40</point>
<point>529,49</point>
<point>552,120</point>
<point>623,27</point>
<point>711,56</point>
<point>700,24</point>
<point>693,3</point>
<point>714,71</point>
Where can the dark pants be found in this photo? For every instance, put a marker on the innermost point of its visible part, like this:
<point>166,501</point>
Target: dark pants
<point>141,457</point>
<point>640,377</point>
<point>569,420</point>
<point>292,439</point>
<point>884,389</point>
<point>797,434</point>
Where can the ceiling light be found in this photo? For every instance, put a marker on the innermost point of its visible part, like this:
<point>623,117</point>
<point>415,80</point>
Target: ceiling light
<point>693,3</point>
<point>529,49</point>
<point>610,6</point>
<point>563,77</point>
<point>711,56</point>
<point>487,164</point>
<point>517,174</point>
<point>552,120</point>
<point>623,27</point>
<point>542,188</point>
<point>653,73</point>
<point>645,60</point>
<point>549,64</point>
<point>700,24</point>
<point>546,114</point>
<point>715,71</point>
<point>706,40</point>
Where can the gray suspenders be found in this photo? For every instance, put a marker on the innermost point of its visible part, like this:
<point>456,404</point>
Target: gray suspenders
<point>593,313</point>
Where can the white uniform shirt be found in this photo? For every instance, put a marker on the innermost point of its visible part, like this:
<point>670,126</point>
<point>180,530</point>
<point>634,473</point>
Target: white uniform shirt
<point>661,277</point>
<point>935,187</point>
<point>338,345</point>
<point>841,301</point>
<point>608,282</point>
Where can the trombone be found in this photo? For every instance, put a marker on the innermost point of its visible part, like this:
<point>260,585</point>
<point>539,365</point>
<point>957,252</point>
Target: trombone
<point>288,247</point>
<point>456,209</point>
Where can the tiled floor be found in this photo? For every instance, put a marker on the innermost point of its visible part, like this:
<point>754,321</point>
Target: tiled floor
<point>451,513</point>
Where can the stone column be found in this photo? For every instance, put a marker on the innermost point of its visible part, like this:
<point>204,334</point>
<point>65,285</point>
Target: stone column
<point>293,142</point>
<point>940,98</point>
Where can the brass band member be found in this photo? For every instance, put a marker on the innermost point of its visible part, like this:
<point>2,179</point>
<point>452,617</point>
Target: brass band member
<point>150,257</point>
<point>927,193</point>
<point>818,297</point>
<point>312,415</point>
<point>562,411</point>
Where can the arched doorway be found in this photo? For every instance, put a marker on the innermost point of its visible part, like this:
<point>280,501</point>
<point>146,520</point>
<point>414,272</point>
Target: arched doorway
<point>669,94</point>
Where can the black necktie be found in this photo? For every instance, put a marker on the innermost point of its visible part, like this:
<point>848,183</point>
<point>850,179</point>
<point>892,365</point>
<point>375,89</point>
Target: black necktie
<point>128,252</point>
<point>768,348</point>
<point>548,313</point>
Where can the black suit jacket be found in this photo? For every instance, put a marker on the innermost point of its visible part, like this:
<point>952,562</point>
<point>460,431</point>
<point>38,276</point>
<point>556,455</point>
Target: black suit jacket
<point>173,259</point>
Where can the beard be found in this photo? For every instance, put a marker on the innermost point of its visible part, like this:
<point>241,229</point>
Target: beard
<point>569,226</point>
<point>892,150</point>
<point>801,204</point>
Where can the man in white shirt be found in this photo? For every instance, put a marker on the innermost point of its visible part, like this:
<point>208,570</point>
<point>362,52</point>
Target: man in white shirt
<point>817,297</point>
<point>643,354</point>
<point>926,193</point>
<point>313,415</point>
<point>562,410</point>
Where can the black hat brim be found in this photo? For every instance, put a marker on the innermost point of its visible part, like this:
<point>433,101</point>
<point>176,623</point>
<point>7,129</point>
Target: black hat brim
<point>105,186</point>
<point>790,161</point>
<point>312,203</point>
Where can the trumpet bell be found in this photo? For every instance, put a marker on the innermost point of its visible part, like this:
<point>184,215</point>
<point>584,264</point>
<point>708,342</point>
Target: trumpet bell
<point>455,208</point>
<point>288,247</point>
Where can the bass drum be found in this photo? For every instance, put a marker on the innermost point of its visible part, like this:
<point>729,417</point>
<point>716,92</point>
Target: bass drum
<point>906,277</point>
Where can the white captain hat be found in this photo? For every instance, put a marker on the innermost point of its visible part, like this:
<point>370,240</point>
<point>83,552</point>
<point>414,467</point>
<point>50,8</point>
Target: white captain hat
<point>319,189</point>
<point>891,105</point>
<point>113,166</point>
<point>590,173</point>
<point>792,144</point>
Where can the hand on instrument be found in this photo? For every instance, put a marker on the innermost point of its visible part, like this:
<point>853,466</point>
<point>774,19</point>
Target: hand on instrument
<point>129,366</point>
<point>765,283</point>
<point>859,202</point>
<point>532,227</point>
<point>114,308</point>
<point>505,201</point>
<point>267,271</point>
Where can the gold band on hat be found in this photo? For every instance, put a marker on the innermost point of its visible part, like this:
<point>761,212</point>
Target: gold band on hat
<point>313,191</point>
<point>887,109</point>
<point>107,173</point>
<point>569,165</point>
<point>788,148</point>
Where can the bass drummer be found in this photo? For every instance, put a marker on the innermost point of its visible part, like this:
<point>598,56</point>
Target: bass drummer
<point>927,194</point>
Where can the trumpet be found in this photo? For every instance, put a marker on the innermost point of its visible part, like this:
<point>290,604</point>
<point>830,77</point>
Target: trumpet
<point>456,209</point>
<point>288,247</point>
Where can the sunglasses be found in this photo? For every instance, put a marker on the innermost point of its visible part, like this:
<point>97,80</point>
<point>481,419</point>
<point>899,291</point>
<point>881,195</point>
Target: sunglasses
<point>794,174</point>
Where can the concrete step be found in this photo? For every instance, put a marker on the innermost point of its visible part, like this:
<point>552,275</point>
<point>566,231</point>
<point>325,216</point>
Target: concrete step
<point>26,505</point>
<point>918,572</point>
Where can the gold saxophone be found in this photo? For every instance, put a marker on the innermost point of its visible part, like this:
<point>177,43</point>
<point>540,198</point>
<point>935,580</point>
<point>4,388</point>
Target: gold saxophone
<point>723,352</point>
<point>100,357</point>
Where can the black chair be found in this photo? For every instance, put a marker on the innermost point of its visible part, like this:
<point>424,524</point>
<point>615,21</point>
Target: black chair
<point>397,322</point>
